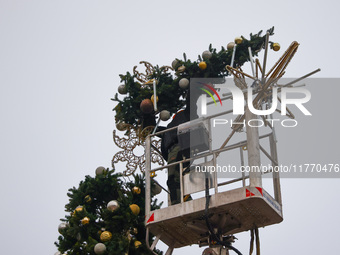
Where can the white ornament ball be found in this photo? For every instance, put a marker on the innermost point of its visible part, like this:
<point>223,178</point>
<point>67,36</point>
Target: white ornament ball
<point>99,248</point>
<point>174,63</point>
<point>164,115</point>
<point>230,45</point>
<point>62,226</point>
<point>57,253</point>
<point>206,54</point>
<point>112,205</point>
<point>122,89</point>
<point>100,170</point>
<point>184,83</point>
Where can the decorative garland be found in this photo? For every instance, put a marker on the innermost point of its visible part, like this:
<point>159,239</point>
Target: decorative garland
<point>172,83</point>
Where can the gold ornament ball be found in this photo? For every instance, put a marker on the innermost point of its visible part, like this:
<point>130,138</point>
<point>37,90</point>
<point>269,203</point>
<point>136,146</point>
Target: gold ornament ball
<point>85,221</point>
<point>99,248</point>
<point>146,106</point>
<point>135,209</point>
<point>153,99</point>
<point>202,65</point>
<point>181,69</point>
<point>112,205</point>
<point>276,46</point>
<point>135,231</point>
<point>238,40</point>
<point>136,190</point>
<point>230,45</point>
<point>105,236</point>
<point>78,209</point>
<point>137,244</point>
<point>88,199</point>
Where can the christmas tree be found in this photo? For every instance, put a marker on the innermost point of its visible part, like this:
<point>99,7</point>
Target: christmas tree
<point>105,216</point>
<point>106,212</point>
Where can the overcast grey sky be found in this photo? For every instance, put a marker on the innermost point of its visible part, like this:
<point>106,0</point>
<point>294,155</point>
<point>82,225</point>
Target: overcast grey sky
<point>59,67</point>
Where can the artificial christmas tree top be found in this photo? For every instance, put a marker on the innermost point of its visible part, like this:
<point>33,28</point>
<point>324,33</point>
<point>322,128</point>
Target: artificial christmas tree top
<point>170,84</point>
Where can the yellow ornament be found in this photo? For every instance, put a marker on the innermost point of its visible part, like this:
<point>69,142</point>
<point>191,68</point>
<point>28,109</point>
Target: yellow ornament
<point>135,209</point>
<point>136,190</point>
<point>85,221</point>
<point>202,65</point>
<point>276,46</point>
<point>105,236</point>
<point>88,199</point>
<point>153,99</point>
<point>238,40</point>
<point>137,244</point>
<point>78,209</point>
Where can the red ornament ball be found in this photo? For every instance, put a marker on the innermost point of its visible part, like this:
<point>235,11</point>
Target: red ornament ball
<point>146,106</point>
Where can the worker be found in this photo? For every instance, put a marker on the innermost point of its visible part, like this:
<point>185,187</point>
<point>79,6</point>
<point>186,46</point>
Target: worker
<point>171,150</point>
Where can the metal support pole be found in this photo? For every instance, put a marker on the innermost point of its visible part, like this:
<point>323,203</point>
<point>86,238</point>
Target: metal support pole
<point>181,182</point>
<point>169,251</point>
<point>217,250</point>
<point>209,135</point>
<point>215,174</point>
<point>242,164</point>
<point>276,174</point>
<point>153,246</point>
<point>265,59</point>
<point>253,147</point>
<point>147,177</point>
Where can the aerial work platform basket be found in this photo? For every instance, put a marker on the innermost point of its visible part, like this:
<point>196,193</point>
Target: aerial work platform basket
<point>231,210</point>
